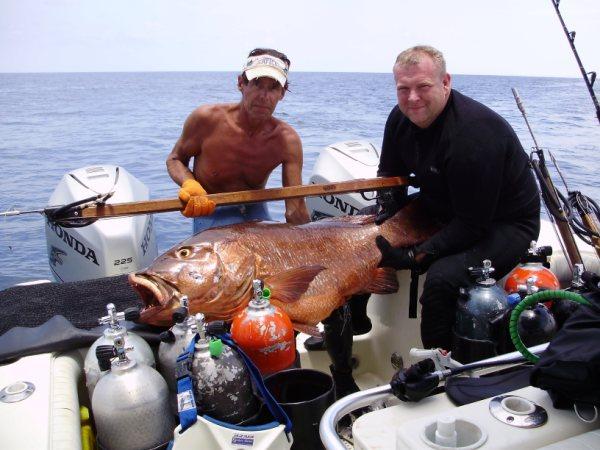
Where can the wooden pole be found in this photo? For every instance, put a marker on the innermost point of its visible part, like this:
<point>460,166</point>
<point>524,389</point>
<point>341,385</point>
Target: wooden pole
<point>241,197</point>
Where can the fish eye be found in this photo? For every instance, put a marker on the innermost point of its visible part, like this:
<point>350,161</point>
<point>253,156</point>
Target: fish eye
<point>184,252</point>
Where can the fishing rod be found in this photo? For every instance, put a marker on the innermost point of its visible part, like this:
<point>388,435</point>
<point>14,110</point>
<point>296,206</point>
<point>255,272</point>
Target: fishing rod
<point>550,196</point>
<point>586,225</point>
<point>588,77</point>
<point>85,211</point>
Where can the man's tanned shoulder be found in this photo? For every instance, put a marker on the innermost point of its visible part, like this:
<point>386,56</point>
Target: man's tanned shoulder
<point>290,138</point>
<point>208,113</point>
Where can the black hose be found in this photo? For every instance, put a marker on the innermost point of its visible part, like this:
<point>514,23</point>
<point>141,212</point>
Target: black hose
<point>63,215</point>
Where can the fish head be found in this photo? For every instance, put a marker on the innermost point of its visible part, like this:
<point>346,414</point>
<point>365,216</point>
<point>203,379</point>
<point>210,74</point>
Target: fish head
<point>193,269</point>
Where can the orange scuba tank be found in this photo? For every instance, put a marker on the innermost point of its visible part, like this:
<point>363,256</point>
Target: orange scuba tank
<point>265,333</point>
<point>534,265</point>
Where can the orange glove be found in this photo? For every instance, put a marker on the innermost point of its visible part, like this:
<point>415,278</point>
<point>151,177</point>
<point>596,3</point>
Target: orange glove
<point>196,202</point>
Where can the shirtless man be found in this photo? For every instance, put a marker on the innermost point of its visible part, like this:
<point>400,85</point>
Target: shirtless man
<point>235,147</point>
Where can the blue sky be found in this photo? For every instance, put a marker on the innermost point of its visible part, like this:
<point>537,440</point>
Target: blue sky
<point>502,37</point>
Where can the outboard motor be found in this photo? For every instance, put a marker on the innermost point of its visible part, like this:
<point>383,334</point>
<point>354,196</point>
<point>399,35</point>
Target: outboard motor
<point>105,247</point>
<point>141,352</point>
<point>480,312</point>
<point>222,384</point>
<point>265,333</point>
<point>130,403</point>
<point>340,162</point>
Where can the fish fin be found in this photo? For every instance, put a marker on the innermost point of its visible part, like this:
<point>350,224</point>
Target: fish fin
<point>356,221</point>
<point>311,330</point>
<point>288,286</point>
<point>363,219</point>
<point>384,281</point>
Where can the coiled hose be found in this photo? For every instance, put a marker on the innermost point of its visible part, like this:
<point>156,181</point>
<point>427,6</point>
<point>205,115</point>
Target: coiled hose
<point>532,300</point>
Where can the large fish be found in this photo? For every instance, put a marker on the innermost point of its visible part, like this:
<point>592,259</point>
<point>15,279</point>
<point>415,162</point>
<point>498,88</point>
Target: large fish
<point>311,269</point>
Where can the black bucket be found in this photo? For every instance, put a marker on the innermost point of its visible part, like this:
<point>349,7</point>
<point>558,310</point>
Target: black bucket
<point>304,394</point>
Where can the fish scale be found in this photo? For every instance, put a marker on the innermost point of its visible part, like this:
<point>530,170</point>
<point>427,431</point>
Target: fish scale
<point>311,269</point>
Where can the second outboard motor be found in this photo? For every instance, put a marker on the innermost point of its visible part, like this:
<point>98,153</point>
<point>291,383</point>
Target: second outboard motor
<point>479,312</point>
<point>341,161</point>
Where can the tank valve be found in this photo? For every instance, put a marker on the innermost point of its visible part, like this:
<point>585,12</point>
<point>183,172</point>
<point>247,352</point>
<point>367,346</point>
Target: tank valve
<point>106,353</point>
<point>113,318</point>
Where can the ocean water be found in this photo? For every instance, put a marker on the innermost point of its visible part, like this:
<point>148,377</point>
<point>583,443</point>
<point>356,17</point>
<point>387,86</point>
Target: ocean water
<point>53,123</point>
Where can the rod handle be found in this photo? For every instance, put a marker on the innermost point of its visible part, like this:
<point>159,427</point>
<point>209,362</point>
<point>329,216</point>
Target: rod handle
<point>518,100</point>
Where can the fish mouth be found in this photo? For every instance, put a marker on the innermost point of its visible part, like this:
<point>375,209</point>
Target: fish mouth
<point>153,290</point>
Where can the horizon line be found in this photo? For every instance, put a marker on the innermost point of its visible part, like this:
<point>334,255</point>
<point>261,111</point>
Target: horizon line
<point>235,71</point>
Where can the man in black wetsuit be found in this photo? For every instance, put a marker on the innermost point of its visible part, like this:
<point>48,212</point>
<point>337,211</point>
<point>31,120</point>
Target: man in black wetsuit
<point>474,176</point>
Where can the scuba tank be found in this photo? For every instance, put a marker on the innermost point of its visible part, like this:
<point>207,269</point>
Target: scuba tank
<point>141,350</point>
<point>174,342</point>
<point>216,380</point>
<point>536,324</point>
<point>130,403</point>
<point>534,265</point>
<point>221,382</point>
<point>562,309</point>
<point>265,333</point>
<point>479,313</point>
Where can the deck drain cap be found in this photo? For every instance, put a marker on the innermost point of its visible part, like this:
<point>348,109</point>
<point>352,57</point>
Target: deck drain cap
<point>16,392</point>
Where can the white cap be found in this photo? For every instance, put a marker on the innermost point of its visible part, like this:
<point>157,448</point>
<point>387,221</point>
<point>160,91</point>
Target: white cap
<point>266,66</point>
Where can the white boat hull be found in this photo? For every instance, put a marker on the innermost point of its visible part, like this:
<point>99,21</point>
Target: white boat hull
<point>50,418</point>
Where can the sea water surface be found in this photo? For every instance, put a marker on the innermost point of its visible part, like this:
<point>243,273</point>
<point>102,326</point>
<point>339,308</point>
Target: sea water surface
<point>51,124</point>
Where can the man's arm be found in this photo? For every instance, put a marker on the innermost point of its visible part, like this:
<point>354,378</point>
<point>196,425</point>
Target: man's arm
<point>187,146</point>
<point>192,194</point>
<point>295,209</point>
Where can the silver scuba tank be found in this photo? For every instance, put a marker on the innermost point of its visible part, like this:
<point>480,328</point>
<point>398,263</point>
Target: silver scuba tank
<point>221,381</point>
<point>130,403</point>
<point>174,342</point>
<point>141,350</point>
<point>477,308</point>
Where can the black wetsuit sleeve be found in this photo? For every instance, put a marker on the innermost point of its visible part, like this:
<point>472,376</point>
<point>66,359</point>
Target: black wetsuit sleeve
<point>474,171</point>
<point>390,161</point>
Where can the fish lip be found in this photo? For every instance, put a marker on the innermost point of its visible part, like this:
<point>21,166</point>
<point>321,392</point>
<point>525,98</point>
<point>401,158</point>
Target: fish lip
<point>154,290</point>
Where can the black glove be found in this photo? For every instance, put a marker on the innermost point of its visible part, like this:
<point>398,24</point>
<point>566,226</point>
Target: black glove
<point>416,382</point>
<point>388,205</point>
<point>398,258</point>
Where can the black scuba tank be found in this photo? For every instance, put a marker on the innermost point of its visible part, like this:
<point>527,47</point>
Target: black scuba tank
<point>479,311</point>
